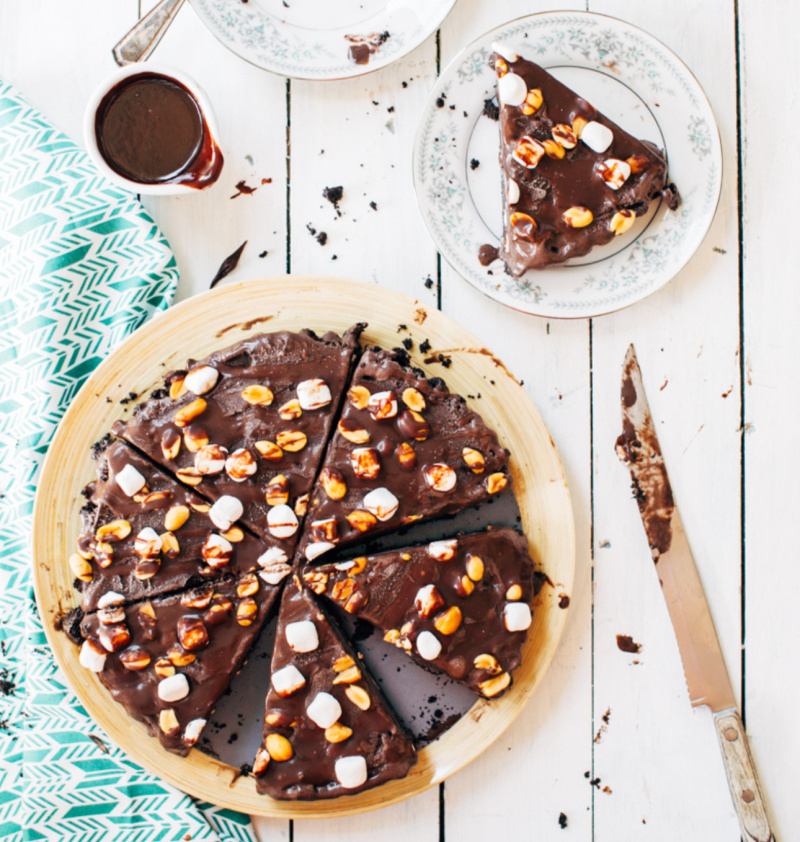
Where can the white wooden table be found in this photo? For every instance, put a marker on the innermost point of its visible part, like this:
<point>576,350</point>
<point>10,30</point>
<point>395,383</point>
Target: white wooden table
<point>717,346</point>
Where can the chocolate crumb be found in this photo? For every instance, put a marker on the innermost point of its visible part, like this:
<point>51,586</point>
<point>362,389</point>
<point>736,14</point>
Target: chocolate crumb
<point>322,238</point>
<point>607,789</point>
<point>311,229</point>
<point>334,196</point>
<point>491,109</point>
<point>131,397</point>
<point>100,744</point>
<point>428,282</point>
<point>606,716</point>
<point>373,205</point>
<point>595,782</point>
<point>404,84</point>
<point>401,327</point>
<point>263,253</point>
<point>625,643</point>
<point>424,346</point>
<point>563,601</point>
<point>473,165</point>
<point>228,265</point>
<point>603,545</point>
<point>718,250</point>
<point>7,686</point>
<point>390,109</point>
<point>452,108</point>
<point>408,343</point>
<point>562,820</point>
<point>439,102</point>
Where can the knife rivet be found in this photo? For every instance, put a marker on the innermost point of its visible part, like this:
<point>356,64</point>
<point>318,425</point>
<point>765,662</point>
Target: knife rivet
<point>731,735</point>
<point>747,796</point>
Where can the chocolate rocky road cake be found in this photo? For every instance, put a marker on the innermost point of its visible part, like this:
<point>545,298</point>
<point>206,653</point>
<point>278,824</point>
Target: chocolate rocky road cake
<point>405,449</point>
<point>143,534</point>
<point>168,660</point>
<point>249,424</point>
<point>461,605</point>
<point>176,588</point>
<point>327,730</point>
<point>573,179</point>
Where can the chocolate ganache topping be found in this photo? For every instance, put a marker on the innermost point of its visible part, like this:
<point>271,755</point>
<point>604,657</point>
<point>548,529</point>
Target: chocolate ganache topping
<point>405,449</point>
<point>250,422</point>
<point>461,606</point>
<point>572,178</point>
<point>327,730</point>
<point>169,659</point>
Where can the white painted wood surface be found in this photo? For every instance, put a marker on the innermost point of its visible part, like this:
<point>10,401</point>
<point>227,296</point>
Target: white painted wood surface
<point>717,347</point>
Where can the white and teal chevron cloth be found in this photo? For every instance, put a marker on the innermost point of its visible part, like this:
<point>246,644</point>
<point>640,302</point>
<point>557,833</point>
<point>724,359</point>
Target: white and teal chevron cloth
<point>82,264</point>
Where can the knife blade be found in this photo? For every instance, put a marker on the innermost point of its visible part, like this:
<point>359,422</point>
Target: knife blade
<point>703,663</point>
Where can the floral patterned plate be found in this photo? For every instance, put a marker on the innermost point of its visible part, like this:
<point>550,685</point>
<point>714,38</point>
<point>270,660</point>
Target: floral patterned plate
<point>322,39</point>
<point>638,83</point>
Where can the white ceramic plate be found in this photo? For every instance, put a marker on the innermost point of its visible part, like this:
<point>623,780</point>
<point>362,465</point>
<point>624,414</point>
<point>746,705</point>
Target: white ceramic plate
<point>632,78</point>
<point>311,39</point>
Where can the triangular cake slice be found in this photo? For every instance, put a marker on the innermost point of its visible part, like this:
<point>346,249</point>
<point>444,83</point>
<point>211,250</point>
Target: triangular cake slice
<point>168,660</point>
<point>250,423</point>
<point>572,178</point>
<point>406,449</point>
<point>461,606</point>
<point>143,535</point>
<point>327,729</point>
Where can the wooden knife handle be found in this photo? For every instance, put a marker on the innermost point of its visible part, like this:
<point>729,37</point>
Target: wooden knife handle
<point>742,778</point>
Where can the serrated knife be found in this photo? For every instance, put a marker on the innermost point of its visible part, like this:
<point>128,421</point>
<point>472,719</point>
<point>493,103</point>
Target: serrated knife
<point>703,663</point>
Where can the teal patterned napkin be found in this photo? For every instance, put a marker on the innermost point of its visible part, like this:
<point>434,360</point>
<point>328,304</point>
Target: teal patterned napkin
<point>82,265</point>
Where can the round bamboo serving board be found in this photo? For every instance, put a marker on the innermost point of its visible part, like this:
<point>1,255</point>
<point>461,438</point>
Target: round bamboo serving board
<point>215,320</point>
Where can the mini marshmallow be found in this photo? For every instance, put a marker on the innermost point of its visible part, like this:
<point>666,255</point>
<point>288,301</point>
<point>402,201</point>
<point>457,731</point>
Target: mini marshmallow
<point>344,565</point>
<point>512,192</point>
<point>517,616</point>
<point>597,136</point>
<point>210,459</point>
<point>505,51</point>
<point>191,733</point>
<point>216,550</point>
<point>274,555</point>
<point>616,172</point>
<point>511,89</point>
<point>90,658</point>
<point>174,688</point>
<point>110,598</point>
<point>428,645</point>
<point>313,394</point>
<point>302,636</point>
<point>324,710</point>
<point>287,680</point>
<point>130,480</point>
<point>317,549</point>
<point>147,543</point>
<point>225,512</point>
<point>375,401</point>
<point>201,379</point>
<point>351,772</point>
<point>443,550</point>
<point>382,503</point>
<point>282,521</point>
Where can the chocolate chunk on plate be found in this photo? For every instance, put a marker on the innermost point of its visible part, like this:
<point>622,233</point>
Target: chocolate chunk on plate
<point>169,659</point>
<point>327,730</point>
<point>406,449</point>
<point>572,178</point>
<point>250,422</point>
<point>460,606</point>
<point>143,535</point>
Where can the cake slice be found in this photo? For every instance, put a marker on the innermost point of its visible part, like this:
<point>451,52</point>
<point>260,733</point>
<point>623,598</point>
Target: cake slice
<point>572,178</point>
<point>327,730</point>
<point>461,606</point>
<point>168,660</point>
<point>250,422</point>
<point>143,535</point>
<point>405,449</point>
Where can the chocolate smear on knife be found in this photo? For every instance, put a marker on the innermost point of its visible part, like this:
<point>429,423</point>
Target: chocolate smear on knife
<point>228,265</point>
